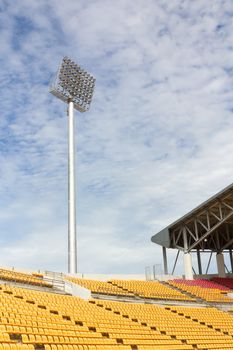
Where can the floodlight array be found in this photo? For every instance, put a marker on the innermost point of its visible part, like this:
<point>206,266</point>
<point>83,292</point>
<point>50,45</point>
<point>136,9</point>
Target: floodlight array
<point>74,84</point>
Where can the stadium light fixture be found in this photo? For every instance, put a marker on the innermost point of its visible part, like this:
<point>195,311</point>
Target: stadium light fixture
<point>74,86</point>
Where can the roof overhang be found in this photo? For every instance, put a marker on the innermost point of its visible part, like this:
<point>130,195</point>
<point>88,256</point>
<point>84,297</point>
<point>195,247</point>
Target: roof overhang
<point>207,227</point>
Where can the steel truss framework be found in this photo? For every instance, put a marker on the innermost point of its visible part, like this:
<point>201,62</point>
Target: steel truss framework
<point>210,228</point>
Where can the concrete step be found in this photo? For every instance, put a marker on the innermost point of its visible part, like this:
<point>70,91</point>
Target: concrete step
<point>200,300</point>
<point>125,289</point>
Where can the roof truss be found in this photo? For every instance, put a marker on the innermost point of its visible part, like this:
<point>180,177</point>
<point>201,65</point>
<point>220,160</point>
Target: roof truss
<point>209,228</point>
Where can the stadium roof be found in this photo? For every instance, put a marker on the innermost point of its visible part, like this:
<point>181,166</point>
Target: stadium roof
<point>208,227</point>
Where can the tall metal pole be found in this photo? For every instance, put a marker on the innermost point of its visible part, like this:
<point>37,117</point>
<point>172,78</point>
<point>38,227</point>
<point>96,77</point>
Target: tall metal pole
<point>72,244</point>
<point>74,86</point>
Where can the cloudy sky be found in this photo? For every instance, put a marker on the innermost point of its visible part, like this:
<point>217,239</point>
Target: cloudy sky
<point>157,141</point>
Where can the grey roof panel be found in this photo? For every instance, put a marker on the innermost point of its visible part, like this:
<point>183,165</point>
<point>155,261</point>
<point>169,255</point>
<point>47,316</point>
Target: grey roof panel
<point>162,238</point>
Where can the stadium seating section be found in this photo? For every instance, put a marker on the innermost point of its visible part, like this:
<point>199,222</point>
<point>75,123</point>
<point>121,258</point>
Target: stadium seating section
<point>200,327</point>
<point>42,319</point>
<point>151,290</point>
<point>142,289</point>
<point>203,289</point>
<point>33,279</point>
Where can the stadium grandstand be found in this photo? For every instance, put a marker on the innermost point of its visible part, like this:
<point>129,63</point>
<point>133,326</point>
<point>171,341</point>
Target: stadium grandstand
<point>55,311</point>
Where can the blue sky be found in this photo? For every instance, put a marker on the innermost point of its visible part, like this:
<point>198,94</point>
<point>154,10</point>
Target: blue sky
<point>156,142</point>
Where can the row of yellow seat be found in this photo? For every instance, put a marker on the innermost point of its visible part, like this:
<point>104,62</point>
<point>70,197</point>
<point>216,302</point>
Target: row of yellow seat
<point>16,347</point>
<point>93,347</point>
<point>87,347</point>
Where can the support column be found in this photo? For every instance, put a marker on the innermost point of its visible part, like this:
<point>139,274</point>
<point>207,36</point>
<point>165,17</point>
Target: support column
<point>187,258</point>
<point>165,268</point>
<point>199,262</point>
<point>72,248</point>
<point>220,264</point>
<point>231,260</point>
<point>188,266</point>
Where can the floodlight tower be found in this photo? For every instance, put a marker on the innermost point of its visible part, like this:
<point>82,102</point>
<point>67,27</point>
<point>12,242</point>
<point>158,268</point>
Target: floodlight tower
<point>74,86</point>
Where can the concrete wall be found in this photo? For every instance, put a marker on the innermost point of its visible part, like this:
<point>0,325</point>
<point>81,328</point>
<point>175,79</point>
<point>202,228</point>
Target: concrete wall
<point>77,290</point>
